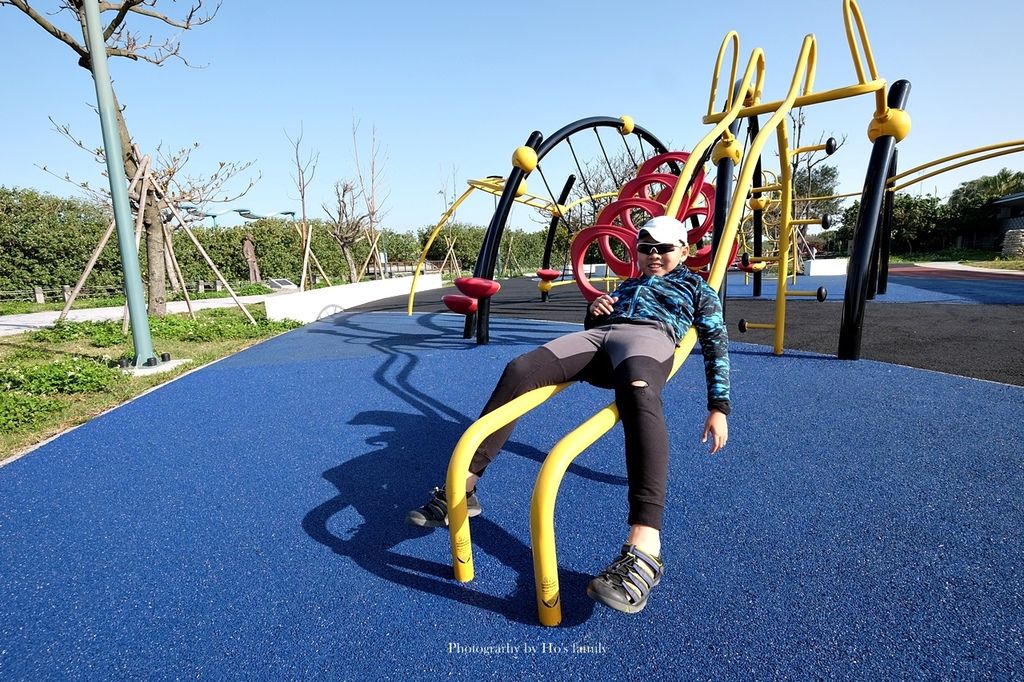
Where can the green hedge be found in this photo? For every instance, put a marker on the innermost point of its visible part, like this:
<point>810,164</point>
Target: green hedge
<point>46,241</point>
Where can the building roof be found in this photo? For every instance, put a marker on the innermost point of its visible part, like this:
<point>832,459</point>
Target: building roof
<point>1010,200</point>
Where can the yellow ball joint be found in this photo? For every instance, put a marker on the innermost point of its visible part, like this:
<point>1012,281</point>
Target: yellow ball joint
<point>627,125</point>
<point>749,98</point>
<point>895,122</point>
<point>727,148</point>
<point>521,189</point>
<point>524,158</point>
<point>758,203</point>
<point>545,287</point>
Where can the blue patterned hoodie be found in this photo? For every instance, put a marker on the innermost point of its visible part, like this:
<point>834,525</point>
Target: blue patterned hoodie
<point>678,300</point>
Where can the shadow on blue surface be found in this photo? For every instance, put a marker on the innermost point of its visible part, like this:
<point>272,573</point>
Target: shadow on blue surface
<point>247,520</point>
<point>371,545</point>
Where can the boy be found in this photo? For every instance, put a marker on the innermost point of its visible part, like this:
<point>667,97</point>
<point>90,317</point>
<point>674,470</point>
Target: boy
<point>628,344</point>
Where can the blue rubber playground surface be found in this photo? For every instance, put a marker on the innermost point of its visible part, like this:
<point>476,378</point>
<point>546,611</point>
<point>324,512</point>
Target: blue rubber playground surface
<point>246,521</point>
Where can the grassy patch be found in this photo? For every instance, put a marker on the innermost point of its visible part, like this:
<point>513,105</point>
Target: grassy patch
<point>56,378</point>
<point>958,255</point>
<point>997,264</point>
<point>25,307</point>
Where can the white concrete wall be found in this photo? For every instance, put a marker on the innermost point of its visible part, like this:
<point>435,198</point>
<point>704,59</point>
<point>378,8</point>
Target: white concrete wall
<point>825,266</point>
<point>308,306</point>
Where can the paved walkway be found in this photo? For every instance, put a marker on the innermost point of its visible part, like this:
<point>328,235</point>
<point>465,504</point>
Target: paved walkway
<point>952,265</point>
<point>19,324</point>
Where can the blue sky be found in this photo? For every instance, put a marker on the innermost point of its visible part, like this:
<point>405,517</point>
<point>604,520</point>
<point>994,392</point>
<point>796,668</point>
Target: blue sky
<point>452,88</point>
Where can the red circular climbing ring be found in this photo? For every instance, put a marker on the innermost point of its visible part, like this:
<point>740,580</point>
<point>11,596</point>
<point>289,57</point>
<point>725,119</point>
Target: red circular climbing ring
<point>700,259</point>
<point>584,238</point>
<point>652,164</point>
<point>641,186</point>
<point>622,210</point>
<point>703,210</point>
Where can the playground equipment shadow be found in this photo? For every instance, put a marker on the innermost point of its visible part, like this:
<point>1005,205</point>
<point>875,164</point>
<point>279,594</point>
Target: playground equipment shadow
<point>246,520</point>
<point>930,328</point>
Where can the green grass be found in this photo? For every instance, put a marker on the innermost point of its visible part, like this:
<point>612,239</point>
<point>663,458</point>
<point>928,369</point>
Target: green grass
<point>998,264</point>
<point>958,255</point>
<point>56,378</point>
<point>25,307</point>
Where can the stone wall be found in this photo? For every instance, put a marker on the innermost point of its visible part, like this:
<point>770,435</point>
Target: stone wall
<point>1013,245</point>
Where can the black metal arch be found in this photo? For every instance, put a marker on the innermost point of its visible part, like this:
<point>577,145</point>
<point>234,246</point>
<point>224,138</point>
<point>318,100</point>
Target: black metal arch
<point>863,252</point>
<point>488,257</point>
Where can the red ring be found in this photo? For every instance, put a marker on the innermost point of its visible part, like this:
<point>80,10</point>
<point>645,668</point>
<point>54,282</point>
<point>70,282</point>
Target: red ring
<point>582,241</point>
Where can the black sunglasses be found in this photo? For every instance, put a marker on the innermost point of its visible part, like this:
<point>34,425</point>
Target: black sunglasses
<point>648,249</point>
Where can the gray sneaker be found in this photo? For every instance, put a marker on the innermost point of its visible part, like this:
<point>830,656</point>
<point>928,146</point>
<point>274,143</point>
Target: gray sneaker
<point>434,513</point>
<point>627,582</point>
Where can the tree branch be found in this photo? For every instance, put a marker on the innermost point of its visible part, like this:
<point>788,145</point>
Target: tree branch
<point>48,27</point>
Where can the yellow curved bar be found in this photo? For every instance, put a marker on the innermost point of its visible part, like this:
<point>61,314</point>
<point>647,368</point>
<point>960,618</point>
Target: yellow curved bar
<point>542,522</point>
<point>851,15</point>
<point>754,65</point>
<point>602,195</point>
<point>875,86</point>
<point>959,155</point>
<point>830,196</point>
<point>458,470</point>
<point>430,241</point>
<point>993,155</point>
<point>496,186</point>
<point>734,38</point>
<point>747,171</point>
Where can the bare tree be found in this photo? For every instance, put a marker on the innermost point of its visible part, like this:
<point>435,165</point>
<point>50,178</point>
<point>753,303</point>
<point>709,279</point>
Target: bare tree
<point>137,46</point>
<point>346,225</point>
<point>305,170</point>
<point>168,169</point>
<point>369,180</point>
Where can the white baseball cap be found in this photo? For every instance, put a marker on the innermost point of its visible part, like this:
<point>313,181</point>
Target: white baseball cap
<point>665,230</point>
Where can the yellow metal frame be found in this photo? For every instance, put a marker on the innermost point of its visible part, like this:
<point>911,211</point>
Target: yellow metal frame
<point>556,464</point>
<point>430,241</point>
<point>493,186</point>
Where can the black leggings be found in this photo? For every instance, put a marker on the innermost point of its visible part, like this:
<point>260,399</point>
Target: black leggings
<point>635,360</point>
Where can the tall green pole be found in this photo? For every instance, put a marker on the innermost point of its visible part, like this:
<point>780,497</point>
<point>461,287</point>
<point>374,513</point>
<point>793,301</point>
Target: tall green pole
<point>118,187</point>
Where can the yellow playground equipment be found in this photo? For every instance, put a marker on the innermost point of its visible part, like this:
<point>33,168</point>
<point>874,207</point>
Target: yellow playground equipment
<point>495,185</point>
<point>889,124</point>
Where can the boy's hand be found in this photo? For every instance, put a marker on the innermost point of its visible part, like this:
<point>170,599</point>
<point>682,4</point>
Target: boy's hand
<point>718,427</point>
<point>602,305</point>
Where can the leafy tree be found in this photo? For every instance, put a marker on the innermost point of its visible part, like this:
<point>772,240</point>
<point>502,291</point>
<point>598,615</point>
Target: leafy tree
<point>46,240</point>
<point>918,223</point>
<point>136,46</point>
<point>969,208</point>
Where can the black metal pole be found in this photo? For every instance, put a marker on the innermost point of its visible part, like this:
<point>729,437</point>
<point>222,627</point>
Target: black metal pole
<point>553,228</point>
<point>886,230</point>
<point>723,193</point>
<point>852,322</point>
<point>873,270</point>
<point>488,257</point>
<point>754,127</point>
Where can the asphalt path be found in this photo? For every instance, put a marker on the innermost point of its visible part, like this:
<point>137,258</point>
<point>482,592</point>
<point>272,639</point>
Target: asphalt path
<point>979,340</point>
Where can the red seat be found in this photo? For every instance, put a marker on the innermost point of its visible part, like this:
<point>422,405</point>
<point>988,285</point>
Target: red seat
<point>477,287</point>
<point>457,303</point>
<point>549,275</point>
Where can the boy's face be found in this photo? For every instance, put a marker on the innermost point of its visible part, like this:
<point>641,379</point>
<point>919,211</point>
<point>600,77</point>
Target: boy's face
<point>654,258</point>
